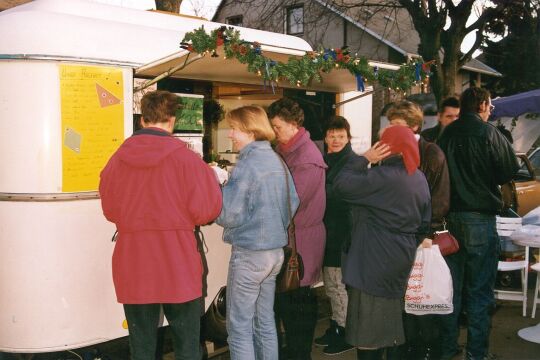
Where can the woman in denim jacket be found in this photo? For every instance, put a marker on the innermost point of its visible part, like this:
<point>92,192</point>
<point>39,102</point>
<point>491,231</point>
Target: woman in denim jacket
<point>255,217</point>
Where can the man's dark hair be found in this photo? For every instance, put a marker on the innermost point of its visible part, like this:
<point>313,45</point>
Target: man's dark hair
<point>472,98</point>
<point>451,101</point>
<point>158,106</point>
<point>288,110</point>
<point>336,122</point>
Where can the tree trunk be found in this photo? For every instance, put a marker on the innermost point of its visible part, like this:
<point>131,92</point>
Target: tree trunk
<point>172,6</point>
<point>429,50</point>
<point>451,63</point>
<point>449,71</point>
<point>436,82</point>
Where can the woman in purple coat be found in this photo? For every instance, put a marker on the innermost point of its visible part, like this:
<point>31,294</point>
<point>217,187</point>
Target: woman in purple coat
<point>297,309</point>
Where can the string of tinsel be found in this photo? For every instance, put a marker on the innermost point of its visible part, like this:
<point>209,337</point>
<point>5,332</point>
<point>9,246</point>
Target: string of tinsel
<point>301,70</point>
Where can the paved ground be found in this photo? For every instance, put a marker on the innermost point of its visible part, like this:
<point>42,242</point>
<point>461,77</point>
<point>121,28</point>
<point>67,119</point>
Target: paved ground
<point>505,343</point>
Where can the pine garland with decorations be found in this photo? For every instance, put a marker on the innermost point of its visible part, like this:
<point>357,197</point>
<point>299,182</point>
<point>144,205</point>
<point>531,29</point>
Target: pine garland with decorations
<point>302,70</point>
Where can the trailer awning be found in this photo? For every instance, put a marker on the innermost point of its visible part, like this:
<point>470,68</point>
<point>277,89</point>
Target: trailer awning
<point>220,69</point>
<point>516,105</point>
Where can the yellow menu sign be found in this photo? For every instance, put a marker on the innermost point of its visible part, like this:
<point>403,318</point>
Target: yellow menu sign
<point>92,106</point>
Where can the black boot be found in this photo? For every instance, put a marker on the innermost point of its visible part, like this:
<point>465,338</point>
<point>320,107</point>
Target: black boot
<point>329,334</point>
<point>364,354</point>
<point>338,344</point>
<point>307,321</point>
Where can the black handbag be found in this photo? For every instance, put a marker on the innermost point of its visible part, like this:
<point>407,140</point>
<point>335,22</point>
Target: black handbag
<point>292,270</point>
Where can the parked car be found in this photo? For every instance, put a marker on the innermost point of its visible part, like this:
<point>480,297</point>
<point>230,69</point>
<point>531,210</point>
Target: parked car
<point>534,158</point>
<point>522,194</point>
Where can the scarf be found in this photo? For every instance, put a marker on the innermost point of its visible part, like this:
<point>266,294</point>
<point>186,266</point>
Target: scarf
<point>401,140</point>
<point>287,147</point>
<point>336,161</point>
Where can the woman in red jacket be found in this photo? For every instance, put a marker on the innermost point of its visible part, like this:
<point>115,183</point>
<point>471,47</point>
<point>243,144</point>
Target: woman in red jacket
<point>156,191</point>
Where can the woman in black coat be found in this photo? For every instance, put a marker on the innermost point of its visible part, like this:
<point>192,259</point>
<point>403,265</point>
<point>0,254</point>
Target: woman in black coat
<point>338,230</point>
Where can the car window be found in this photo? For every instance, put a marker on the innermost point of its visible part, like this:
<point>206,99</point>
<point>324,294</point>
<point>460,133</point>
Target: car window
<point>535,159</point>
<point>523,172</point>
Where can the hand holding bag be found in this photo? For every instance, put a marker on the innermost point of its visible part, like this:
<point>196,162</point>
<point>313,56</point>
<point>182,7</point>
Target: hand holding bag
<point>292,270</point>
<point>446,241</point>
<point>429,289</point>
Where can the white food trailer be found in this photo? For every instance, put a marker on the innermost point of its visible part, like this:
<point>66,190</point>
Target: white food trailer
<point>67,72</point>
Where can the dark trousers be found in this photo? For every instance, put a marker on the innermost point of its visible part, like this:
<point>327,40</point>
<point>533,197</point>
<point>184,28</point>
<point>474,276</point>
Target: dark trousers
<point>184,321</point>
<point>473,269</point>
<point>422,333</point>
<point>297,310</point>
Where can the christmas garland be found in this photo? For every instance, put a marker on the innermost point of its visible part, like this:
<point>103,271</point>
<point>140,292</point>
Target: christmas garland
<point>300,71</point>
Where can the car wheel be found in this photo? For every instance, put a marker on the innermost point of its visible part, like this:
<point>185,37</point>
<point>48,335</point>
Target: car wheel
<point>214,320</point>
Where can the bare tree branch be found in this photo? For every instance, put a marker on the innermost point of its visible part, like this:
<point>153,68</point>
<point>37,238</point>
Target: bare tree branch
<point>439,40</point>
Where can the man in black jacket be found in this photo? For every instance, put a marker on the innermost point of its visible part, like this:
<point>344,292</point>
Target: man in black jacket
<point>447,113</point>
<point>479,160</point>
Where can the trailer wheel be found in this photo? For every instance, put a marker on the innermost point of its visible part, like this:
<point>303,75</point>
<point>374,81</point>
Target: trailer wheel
<point>213,326</point>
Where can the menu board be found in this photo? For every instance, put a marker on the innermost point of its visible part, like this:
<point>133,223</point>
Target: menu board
<point>189,116</point>
<point>92,110</point>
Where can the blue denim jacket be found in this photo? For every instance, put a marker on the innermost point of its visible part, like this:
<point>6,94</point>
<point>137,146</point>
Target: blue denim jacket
<point>255,212</point>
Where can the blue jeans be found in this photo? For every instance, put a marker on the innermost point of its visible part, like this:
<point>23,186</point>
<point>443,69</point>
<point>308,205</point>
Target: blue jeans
<point>473,269</point>
<point>251,286</point>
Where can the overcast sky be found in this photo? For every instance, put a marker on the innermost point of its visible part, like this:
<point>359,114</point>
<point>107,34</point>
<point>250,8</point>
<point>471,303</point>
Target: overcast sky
<point>203,8</point>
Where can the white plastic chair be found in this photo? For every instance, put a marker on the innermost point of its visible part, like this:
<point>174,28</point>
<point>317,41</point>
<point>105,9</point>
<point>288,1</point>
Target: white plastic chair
<point>505,227</point>
<point>536,267</point>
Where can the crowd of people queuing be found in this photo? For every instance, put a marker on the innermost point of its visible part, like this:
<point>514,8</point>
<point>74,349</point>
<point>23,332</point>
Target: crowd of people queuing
<point>358,221</point>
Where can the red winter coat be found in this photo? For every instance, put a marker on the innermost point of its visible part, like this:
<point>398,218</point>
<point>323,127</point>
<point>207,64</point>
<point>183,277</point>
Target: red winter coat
<point>156,190</point>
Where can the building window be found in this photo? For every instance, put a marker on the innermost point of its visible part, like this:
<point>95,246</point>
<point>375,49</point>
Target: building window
<point>235,20</point>
<point>295,20</point>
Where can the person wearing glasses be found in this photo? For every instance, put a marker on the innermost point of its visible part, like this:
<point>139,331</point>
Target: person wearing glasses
<point>479,160</point>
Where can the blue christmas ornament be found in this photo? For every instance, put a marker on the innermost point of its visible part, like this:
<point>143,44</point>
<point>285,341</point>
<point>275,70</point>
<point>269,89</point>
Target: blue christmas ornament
<point>360,83</point>
<point>267,69</point>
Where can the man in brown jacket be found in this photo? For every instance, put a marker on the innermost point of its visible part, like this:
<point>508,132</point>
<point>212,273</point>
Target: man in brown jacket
<point>422,331</point>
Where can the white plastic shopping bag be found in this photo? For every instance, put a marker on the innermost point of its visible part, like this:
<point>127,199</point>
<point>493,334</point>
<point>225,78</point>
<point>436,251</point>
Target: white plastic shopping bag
<point>429,289</point>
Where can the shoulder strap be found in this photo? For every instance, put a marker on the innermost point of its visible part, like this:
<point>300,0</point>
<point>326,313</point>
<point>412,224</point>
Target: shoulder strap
<point>292,238</point>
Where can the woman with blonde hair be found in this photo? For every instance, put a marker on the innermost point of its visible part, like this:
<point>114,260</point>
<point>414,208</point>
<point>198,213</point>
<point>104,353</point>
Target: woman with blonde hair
<point>255,217</point>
